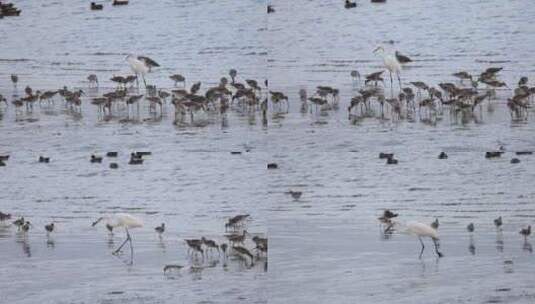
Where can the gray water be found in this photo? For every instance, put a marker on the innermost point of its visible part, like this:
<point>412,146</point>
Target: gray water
<point>325,247</point>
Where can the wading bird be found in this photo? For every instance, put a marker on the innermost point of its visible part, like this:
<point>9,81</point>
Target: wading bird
<point>141,65</point>
<point>391,63</point>
<point>126,221</point>
<point>421,230</point>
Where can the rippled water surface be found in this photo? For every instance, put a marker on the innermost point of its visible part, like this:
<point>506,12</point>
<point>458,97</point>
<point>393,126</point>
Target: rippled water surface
<point>326,246</point>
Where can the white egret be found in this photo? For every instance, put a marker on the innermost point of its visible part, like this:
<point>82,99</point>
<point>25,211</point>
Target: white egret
<point>391,63</point>
<point>420,230</point>
<point>141,65</point>
<point>122,220</point>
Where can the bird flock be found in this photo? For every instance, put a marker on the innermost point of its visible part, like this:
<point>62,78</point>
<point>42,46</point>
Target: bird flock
<point>237,244</point>
<point>422,230</point>
<point>462,96</point>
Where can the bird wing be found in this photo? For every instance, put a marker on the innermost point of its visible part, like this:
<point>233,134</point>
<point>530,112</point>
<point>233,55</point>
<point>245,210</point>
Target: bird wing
<point>148,61</point>
<point>402,58</point>
<point>421,229</point>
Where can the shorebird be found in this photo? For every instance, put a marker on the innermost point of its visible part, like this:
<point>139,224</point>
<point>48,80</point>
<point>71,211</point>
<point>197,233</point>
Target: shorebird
<point>463,75</point>
<point>195,87</point>
<point>526,231</point>
<point>196,248</point>
<point>523,81</point>
<point>236,221</point>
<point>4,216</point>
<point>233,73</point>
<point>49,228</point>
<point>374,77</point>
<point>387,216</point>
<point>19,222</point>
<point>26,226</point>
<point>355,75</point>
<point>261,244</point>
<point>178,78</point>
<point>224,247</point>
<point>498,222</point>
<point>237,238</point>
<point>93,80</point>
<point>470,227</point>
<point>193,243</point>
<point>160,229</point>
<point>210,244</point>
<point>14,80</point>
<point>125,221</point>
<point>244,252</point>
<point>391,63</point>
<point>141,65</point>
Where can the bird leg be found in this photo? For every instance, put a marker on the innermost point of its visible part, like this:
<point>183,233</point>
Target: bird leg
<point>137,82</point>
<point>423,247</point>
<point>399,80</point>
<point>143,76</point>
<point>120,247</point>
<point>131,246</point>
<point>435,241</point>
<point>391,85</point>
<point>128,239</point>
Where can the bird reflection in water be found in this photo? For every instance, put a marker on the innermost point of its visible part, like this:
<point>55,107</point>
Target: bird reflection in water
<point>472,246</point>
<point>50,243</point>
<point>161,243</point>
<point>499,241</point>
<point>527,246</point>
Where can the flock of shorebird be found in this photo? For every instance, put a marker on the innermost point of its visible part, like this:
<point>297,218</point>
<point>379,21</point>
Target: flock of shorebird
<point>463,97</point>
<point>198,249</point>
<point>422,230</point>
<point>8,10</point>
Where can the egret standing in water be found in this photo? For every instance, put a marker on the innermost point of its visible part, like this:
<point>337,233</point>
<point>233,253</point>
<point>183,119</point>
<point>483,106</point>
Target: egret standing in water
<point>141,65</point>
<point>122,220</point>
<point>391,63</point>
<point>421,230</point>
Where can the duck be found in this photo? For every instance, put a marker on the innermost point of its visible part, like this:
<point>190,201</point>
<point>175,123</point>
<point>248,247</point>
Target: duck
<point>350,4</point>
<point>96,159</point>
<point>383,155</point>
<point>96,7</point>
<point>295,194</point>
<point>272,166</point>
<point>391,161</point>
<point>120,2</point>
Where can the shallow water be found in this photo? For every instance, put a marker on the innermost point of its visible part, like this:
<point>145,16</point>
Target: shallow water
<point>326,246</point>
